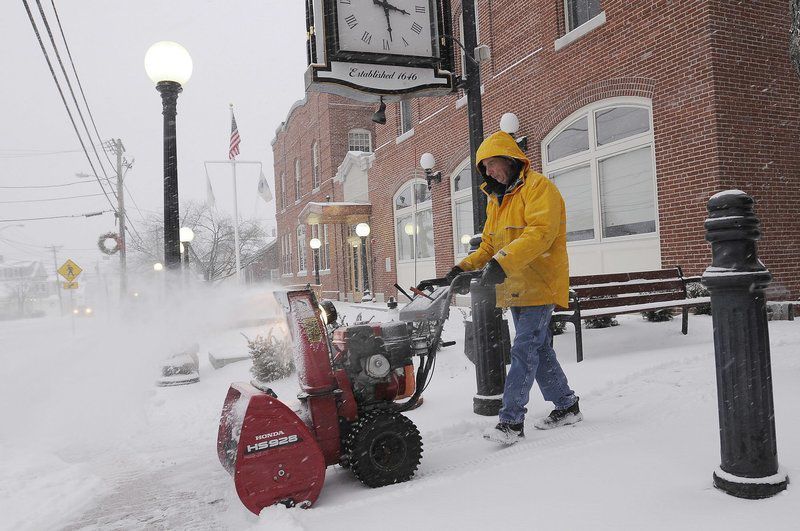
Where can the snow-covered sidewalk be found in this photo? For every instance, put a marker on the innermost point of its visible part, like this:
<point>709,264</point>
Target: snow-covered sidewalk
<point>89,443</point>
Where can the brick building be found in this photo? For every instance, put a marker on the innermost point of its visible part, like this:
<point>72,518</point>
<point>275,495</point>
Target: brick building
<point>638,111</point>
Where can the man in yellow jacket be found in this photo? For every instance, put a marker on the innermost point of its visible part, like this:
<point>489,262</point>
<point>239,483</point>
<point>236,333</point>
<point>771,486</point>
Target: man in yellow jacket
<point>524,251</point>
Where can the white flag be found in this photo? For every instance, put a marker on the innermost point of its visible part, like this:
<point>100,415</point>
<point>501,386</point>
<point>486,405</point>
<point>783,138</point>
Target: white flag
<point>263,188</point>
<point>210,199</point>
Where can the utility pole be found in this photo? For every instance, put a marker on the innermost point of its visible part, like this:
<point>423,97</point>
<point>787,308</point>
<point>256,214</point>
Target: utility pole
<point>55,249</point>
<point>118,149</point>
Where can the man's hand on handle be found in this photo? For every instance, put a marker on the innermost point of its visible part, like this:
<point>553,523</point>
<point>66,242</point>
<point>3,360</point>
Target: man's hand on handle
<point>492,274</point>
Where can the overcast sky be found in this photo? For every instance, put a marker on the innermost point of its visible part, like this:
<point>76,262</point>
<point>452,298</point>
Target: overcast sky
<point>247,52</point>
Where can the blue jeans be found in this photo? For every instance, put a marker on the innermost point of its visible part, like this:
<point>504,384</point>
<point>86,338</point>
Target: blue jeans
<point>532,357</point>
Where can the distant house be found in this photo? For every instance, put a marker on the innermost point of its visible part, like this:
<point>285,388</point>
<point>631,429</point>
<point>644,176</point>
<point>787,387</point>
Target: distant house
<point>22,285</point>
<point>264,265</point>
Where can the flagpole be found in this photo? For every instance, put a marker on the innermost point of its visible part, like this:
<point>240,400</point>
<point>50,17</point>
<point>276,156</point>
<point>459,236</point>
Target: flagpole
<point>235,217</point>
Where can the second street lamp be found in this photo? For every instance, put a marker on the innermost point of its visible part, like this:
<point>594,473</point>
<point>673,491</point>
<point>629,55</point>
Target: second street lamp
<point>186,236</point>
<point>315,244</point>
<point>169,66</point>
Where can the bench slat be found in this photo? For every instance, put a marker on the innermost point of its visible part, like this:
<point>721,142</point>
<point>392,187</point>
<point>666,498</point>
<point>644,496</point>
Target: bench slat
<point>674,286</point>
<point>626,277</point>
<point>697,301</point>
<point>630,300</point>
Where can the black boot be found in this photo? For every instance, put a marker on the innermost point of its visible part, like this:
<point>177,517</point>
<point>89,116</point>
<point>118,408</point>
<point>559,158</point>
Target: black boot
<point>560,417</point>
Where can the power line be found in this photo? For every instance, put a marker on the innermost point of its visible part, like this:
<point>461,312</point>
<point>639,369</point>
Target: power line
<point>44,186</point>
<point>50,199</point>
<point>71,91</point>
<point>64,99</point>
<point>89,215</point>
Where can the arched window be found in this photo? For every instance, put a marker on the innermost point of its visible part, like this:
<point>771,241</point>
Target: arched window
<point>461,197</point>
<point>301,248</point>
<point>297,177</point>
<point>315,166</point>
<point>283,191</point>
<point>413,221</point>
<point>359,140</point>
<point>601,158</point>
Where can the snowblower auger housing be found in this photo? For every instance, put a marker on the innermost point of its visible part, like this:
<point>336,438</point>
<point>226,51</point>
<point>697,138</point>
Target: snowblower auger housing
<point>351,380</point>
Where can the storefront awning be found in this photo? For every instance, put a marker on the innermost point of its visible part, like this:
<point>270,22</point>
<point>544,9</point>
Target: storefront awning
<point>343,212</point>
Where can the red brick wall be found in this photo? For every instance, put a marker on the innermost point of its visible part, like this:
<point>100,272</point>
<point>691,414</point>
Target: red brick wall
<point>325,119</point>
<point>724,101</point>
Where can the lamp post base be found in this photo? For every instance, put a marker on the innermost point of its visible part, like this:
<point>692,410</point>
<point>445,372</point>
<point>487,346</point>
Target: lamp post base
<point>750,488</point>
<point>488,406</point>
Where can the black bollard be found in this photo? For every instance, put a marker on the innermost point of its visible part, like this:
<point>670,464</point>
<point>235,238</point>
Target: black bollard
<point>737,280</point>
<point>489,346</point>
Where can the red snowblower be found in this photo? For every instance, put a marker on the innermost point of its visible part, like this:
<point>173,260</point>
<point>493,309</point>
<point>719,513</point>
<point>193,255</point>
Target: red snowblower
<point>353,382</point>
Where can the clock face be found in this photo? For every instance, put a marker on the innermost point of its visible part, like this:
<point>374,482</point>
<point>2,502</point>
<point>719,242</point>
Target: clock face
<point>401,27</point>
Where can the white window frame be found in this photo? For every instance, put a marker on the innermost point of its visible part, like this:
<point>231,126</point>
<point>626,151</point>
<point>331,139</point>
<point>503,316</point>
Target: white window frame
<point>302,262</point>
<point>577,32</point>
<point>352,133</point>
<point>457,198</point>
<point>325,249</point>
<point>406,118</point>
<point>594,155</point>
<point>315,180</point>
<point>461,33</point>
<point>414,210</point>
<point>297,179</point>
<point>286,255</point>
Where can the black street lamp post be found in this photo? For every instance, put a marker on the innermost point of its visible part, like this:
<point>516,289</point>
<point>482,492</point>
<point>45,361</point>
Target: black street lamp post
<point>169,66</point>
<point>315,244</point>
<point>737,280</point>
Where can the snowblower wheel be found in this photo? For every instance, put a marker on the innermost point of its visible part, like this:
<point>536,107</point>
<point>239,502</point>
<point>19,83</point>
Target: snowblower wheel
<point>385,448</point>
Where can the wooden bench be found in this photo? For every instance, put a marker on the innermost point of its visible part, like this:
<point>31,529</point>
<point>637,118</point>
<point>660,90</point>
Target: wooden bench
<point>593,296</point>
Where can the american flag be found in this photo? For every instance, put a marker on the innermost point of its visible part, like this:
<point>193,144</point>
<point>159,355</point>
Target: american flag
<point>235,140</point>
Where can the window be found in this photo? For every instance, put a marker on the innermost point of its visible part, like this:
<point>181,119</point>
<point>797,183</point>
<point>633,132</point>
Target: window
<point>461,197</point>
<point>359,140</point>
<point>286,254</point>
<point>602,162</point>
<point>297,177</point>
<point>283,191</point>
<point>414,222</point>
<point>315,166</point>
<point>301,248</point>
<point>325,249</point>
<point>477,37</point>
<point>405,117</point>
<point>578,12</point>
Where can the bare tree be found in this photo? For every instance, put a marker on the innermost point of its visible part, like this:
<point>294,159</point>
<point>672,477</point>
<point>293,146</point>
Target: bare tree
<point>213,249</point>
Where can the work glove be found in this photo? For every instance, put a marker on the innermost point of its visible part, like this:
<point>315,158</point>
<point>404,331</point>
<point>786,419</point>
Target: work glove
<point>453,274</point>
<point>492,274</point>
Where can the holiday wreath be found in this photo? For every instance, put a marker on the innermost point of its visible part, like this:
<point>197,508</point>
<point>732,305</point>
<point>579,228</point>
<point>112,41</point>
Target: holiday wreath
<point>105,248</point>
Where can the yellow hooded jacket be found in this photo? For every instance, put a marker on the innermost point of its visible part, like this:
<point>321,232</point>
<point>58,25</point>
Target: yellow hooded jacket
<point>526,233</point>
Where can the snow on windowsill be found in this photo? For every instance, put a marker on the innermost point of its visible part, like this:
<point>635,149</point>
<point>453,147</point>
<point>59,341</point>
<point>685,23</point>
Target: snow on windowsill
<point>405,136</point>
<point>580,31</point>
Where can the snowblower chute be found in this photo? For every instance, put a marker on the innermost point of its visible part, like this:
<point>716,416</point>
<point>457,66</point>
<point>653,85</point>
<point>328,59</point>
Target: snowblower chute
<point>352,379</point>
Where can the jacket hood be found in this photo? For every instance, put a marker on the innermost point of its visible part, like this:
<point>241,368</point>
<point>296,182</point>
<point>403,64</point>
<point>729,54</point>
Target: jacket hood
<point>500,144</point>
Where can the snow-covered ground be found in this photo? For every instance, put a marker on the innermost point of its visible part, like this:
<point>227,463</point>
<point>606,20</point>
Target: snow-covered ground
<point>88,442</point>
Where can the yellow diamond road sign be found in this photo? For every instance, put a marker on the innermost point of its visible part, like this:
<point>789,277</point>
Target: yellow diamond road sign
<point>69,270</point>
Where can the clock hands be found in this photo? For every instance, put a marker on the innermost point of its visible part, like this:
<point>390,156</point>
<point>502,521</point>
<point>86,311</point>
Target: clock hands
<point>386,8</point>
<point>389,7</point>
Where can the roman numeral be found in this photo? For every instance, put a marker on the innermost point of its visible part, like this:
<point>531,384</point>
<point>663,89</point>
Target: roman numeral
<point>367,37</point>
<point>418,9</point>
<point>416,28</point>
<point>405,41</point>
<point>351,20</point>
<point>344,2</point>
<point>385,45</point>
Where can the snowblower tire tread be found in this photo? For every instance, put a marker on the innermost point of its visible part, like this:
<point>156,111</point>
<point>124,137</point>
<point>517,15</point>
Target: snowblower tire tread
<point>384,448</point>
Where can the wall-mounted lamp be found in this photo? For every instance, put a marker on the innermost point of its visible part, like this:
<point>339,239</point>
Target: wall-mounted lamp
<point>509,123</point>
<point>428,161</point>
<point>379,116</point>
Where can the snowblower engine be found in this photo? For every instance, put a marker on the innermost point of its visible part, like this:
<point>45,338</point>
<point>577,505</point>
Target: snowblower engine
<point>355,383</point>
<point>378,360</point>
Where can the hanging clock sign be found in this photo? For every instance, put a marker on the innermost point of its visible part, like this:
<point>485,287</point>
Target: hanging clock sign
<point>368,49</point>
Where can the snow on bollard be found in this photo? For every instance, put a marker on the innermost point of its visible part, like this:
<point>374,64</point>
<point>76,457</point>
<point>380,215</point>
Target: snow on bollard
<point>737,280</point>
